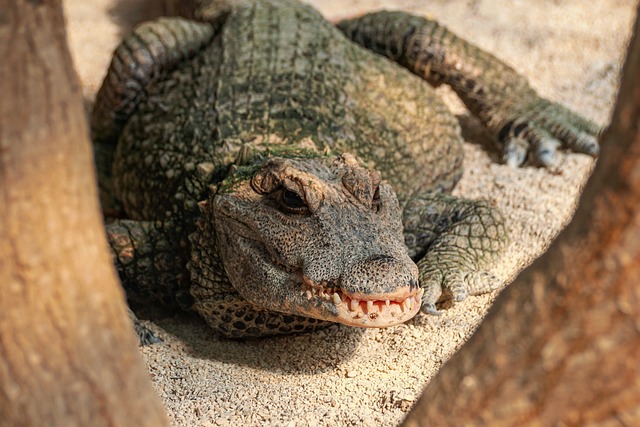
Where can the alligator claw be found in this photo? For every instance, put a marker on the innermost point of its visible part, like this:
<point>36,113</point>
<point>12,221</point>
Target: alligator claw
<point>430,308</point>
<point>145,335</point>
<point>541,129</point>
<point>515,152</point>
<point>456,287</point>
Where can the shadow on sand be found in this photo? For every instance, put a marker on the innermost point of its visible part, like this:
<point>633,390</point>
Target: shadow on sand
<point>305,353</point>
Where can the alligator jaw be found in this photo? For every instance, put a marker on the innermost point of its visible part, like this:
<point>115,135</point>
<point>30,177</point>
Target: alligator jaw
<point>367,311</point>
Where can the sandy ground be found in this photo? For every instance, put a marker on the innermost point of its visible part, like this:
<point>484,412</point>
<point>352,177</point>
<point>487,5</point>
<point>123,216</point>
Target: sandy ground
<point>570,51</point>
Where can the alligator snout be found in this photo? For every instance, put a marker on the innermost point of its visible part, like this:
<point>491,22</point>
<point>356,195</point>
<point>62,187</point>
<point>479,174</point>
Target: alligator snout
<point>378,291</point>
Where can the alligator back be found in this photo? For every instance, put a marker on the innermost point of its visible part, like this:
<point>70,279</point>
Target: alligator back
<point>279,75</point>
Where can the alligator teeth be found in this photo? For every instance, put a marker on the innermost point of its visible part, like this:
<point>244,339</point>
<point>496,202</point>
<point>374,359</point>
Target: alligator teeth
<point>370,308</point>
<point>336,299</point>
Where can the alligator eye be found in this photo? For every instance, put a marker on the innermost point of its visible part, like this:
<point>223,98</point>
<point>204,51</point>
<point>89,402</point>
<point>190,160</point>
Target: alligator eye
<point>293,203</point>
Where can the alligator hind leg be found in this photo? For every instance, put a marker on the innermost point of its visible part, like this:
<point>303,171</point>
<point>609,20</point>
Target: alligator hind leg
<point>453,241</point>
<point>524,123</point>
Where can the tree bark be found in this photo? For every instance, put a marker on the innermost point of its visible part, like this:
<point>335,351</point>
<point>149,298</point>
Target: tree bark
<point>561,346</point>
<point>68,355</point>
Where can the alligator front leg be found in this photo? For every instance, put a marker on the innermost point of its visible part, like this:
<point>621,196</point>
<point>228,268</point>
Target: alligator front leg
<point>152,271</point>
<point>523,122</point>
<point>148,258</point>
<point>453,241</point>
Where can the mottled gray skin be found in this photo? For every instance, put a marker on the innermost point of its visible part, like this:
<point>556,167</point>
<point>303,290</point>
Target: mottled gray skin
<point>276,176</point>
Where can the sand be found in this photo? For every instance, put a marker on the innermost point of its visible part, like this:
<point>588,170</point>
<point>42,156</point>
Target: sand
<point>569,49</point>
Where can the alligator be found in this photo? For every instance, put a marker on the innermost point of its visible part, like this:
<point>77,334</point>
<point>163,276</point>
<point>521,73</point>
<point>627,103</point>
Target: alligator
<point>275,173</point>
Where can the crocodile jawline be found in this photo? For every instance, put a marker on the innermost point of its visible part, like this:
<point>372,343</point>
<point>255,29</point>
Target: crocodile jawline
<point>367,310</point>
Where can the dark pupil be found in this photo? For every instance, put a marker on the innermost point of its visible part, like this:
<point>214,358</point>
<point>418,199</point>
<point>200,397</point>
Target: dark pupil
<point>376,194</point>
<point>292,200</point>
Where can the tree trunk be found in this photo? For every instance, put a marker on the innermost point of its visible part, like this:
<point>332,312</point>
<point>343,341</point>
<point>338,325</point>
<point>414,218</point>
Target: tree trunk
<point>561,346</point>
<point>68,355</point>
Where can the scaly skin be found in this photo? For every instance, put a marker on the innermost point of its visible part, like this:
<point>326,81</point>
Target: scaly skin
<point>501,98</point>
<point>282,176</point>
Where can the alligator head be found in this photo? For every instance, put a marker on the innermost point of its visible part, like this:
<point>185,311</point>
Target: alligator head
<point>318,237</point>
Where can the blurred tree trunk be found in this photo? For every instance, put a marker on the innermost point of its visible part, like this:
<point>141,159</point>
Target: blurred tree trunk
<point>68,355</point>
<point>561,346</point>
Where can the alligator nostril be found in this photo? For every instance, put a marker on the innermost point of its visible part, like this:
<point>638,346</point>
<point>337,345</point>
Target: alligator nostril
<point>413,283</point>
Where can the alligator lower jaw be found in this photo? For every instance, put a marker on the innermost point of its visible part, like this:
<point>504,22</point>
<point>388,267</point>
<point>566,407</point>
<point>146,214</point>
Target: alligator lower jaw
<point>369,311</point>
